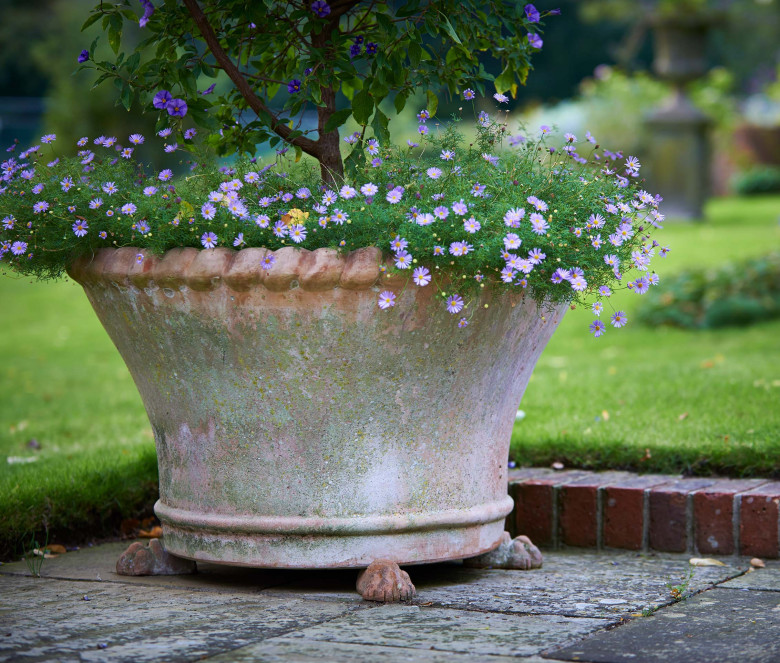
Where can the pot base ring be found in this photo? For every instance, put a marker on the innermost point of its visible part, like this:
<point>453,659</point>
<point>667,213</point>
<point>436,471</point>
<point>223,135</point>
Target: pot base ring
<point>327,543</point>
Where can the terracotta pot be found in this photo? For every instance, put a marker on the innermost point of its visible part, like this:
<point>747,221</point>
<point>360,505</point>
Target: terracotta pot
<point>297,425</point>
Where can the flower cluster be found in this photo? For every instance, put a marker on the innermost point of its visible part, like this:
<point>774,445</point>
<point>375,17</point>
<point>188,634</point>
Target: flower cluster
<point>563,227</point>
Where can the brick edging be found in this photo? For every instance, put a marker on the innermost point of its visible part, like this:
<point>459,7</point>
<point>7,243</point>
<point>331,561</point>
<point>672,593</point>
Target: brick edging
<point>603,510</point>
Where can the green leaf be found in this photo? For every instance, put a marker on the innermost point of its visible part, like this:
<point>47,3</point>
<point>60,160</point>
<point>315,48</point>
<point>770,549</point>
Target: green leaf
<point>433,102</point>
<point>337,119</point>
<point>379,125</point>
<point>114,39</point>
<point>362,106</point>
<point>449,29</point>
<point>400,101</point>
<point>506,79</point>
<point>415,54</point>
<point>126,97</point>
<point>92,19</point>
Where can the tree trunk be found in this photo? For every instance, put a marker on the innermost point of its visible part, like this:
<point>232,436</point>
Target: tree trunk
<point>331,165</point>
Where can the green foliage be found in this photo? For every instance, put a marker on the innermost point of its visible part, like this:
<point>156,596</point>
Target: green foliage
<point>253,50</point>
<point>737,293</point>
<point>148,211</point>
<point>758,180</point>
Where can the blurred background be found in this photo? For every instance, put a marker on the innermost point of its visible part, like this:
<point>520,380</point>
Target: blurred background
<point>689,86</point>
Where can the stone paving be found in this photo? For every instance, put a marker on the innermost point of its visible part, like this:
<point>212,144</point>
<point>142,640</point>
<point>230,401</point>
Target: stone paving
<point>605,607</point>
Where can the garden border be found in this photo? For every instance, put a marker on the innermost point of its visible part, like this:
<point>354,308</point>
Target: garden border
<point>664,513</point>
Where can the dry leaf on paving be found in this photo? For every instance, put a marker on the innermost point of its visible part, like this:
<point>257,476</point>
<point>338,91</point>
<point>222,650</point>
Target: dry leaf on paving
<point>154,533</point>
<point>683,416</point>
<point>757,563</point>
<point>56,549</point>
<point>705,561</point>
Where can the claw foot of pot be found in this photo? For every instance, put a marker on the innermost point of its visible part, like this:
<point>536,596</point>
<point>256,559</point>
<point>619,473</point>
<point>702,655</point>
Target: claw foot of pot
<point>384,581</point>
<point>518,553</point>
<point>152,560</point>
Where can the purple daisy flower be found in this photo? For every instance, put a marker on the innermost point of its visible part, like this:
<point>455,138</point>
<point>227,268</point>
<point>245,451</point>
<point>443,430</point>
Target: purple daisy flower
<point>80,228</point>
<point>165,175</point>
<point>619,319</point>
<point>128,208</point>
<point>468,94</point>
<point>454,304</point>
<point>209,240</point>
<point>597,328</point>
<point>386,299</point>
<point>18,248</point>
<point>421,276</point>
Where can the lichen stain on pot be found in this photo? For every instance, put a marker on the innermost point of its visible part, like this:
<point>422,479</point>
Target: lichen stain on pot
<point>322,428</point>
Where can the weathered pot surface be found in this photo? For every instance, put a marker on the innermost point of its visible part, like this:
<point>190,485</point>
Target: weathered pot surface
<point>297,425</point>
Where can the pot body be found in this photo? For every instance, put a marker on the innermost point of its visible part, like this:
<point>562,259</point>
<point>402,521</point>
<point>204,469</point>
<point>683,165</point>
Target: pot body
<point>299,426</point>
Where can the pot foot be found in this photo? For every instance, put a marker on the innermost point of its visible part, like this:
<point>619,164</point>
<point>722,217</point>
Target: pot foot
<point>384,581</point>
<point>152,560</point>
<point>518,553</point>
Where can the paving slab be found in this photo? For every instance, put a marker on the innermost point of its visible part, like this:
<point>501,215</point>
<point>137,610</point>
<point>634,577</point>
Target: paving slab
<point>98,563</point>
<point>50,620</point>
<point>767,579</point>
<point>301,650</point>
<point>462,631</point>
<point>723,625</point>
<point>604,585</point>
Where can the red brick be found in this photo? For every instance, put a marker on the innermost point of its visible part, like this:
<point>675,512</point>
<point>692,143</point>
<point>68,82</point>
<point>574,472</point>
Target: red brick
<point>668,514</point>
<point>578,508</point>
<point>624,512</point>
<point>758,526</point>
<point>713,513</point>
<point>535,506</point>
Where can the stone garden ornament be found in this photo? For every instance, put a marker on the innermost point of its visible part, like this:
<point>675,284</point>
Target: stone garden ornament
<point>331,348</point>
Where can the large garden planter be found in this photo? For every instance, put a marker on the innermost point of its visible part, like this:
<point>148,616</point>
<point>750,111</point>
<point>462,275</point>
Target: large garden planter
<point>299,426</point>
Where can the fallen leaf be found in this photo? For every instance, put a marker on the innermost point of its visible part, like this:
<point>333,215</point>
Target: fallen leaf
<point>56,548</point>
<point>683,416</point>
<point>148,523</point>
<point>154,533</point>
<point>757,563</point>
<point>605,415</point>
<point>705,561</point>
<point>129,526</point>
<point>708,363</point>
<point>42,553</point>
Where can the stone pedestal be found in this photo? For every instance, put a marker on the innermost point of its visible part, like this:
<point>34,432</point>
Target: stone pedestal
<point>679,151</point>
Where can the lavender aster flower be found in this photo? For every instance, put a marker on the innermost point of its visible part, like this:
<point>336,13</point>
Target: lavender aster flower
<point>129,209</point>
<point>468,94</point>
<point>454,304</point>
<point>18,248</point>
<point>619,319</point>
<point>421,276</point>
<point>209,240</point>
<point>386,299</point>
<point>597,328</point>
<point>165,175</point>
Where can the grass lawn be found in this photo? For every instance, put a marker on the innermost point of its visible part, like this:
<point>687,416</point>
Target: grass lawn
<point>611,402</point>
<point>664,400</point>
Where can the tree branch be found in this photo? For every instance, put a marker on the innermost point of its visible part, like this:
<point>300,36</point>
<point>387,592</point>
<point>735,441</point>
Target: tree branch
<point>255,103</point>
